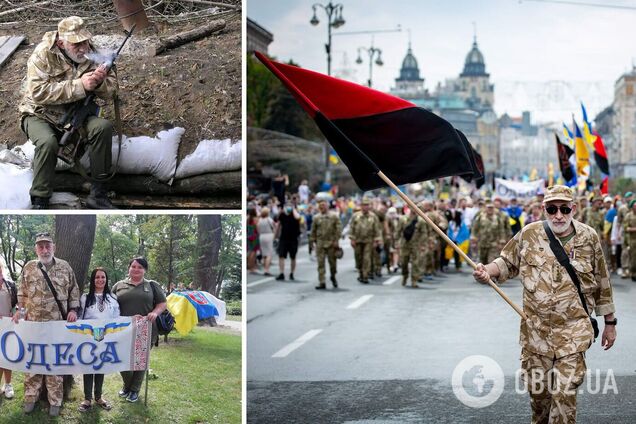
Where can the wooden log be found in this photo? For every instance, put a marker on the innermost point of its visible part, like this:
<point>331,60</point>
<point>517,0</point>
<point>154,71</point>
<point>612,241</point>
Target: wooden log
<point>214,3</point>
<point>28,6</point>
<point>186,37</point>
<point>199,185</point>
<point>168,202</point>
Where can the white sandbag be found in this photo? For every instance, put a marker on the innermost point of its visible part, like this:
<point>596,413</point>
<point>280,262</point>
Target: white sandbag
<point>28,151</point>
<point>147,155</point>
<point>9,156</point>
<point>211,156</point>
<point>65,199</point>
<point>16,182</point>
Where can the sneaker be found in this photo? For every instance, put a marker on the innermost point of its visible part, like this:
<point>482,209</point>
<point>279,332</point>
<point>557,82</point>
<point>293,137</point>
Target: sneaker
<point>123,393</point>
<point>8,391</point>
<point>280,277</point>
<point>291,277</point>
<point>133,397</point>
<point>54,411</point>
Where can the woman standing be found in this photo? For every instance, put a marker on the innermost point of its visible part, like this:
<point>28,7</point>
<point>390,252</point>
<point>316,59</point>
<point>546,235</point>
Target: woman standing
<point>253,241</point>
<point>138,296</point>
<point>266,229</point>
<point>8,300</point>
<point>99,303</point>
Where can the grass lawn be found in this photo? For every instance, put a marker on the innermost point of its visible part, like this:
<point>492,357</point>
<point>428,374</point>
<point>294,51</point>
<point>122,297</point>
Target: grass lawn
<point>234,317</point>
<point>198,381</point>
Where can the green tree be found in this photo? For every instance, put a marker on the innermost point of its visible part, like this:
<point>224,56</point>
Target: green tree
<point>17,239</point>
<point>261,84</point>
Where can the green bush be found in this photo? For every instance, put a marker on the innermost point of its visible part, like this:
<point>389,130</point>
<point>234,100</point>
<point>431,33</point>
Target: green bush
<point>233,308</point>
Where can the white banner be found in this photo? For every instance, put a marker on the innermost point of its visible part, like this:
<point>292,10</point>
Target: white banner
<point>81,347</point>
<point>509,189</point>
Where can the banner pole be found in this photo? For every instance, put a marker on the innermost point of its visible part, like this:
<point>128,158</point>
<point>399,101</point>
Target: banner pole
<point>417,210</point>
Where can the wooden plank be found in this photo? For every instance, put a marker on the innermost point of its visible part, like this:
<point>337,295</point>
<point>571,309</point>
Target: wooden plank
<point>8,46</point>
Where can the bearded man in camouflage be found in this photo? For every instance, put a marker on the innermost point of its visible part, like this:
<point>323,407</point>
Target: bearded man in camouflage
<point>58,75</point>
<point>35,295</point>
<point>558,331</point>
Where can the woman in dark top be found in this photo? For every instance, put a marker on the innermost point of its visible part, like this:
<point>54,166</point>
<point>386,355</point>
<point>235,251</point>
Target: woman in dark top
<point>138,296</point>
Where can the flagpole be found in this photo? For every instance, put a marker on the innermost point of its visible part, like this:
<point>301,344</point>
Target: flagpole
<point>417,210</point>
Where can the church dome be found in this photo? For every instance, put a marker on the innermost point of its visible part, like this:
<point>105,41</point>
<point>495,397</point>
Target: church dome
<point>409,71</point>
<point>474,65</point>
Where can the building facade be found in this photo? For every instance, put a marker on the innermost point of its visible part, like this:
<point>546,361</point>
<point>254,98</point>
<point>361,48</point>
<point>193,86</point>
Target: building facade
<point>258,38</point>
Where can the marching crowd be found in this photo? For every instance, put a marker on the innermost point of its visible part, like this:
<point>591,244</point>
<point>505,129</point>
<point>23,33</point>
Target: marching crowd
<point>387,236</point>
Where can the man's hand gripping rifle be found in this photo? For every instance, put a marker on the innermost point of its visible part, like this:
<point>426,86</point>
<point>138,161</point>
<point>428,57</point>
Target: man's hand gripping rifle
<point>75,118</point>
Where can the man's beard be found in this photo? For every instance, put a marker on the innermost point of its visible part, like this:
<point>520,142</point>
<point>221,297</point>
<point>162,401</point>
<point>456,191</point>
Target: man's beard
<point>76,58</point>
<point>46,259</point>
<point>560,228</point>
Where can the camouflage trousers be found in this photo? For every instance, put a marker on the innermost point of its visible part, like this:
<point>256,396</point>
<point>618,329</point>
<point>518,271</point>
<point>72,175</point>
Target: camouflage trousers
<point>33,384</point>
<point>488,253</point>
<point>552,384</point>
<point>632,259</point>
<point>428,261</point>
<point>625,262</point>
<point>364,255</point>
<point>328,251</point>
<point>411,253</point>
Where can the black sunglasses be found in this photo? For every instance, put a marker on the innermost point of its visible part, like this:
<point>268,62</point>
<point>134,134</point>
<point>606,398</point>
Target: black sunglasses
<point>552,209</point>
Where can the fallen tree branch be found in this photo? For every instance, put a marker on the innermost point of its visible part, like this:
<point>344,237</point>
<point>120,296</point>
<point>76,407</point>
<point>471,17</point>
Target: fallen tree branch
<point>28,6</point>
<point>214,3</point>
<point>186,37</point>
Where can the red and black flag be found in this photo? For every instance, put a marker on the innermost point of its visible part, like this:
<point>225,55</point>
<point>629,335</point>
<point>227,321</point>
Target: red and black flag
<point>476,159</point>
<point>565,152</point>
<point>372,131</point>
<point>600,155</point>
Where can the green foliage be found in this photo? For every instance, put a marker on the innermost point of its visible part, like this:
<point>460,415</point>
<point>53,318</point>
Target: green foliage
<point>233,308</point>
<point>198,381</point>
<point>115,245</point>
<point>230,257</point>
<point>622,185</point>
<point>17,238</point>
<point>261,84</point>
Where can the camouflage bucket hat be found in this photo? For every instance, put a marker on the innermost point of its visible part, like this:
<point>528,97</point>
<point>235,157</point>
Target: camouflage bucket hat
<point>43,237</point>
<point>558,192</point>
<point>72,29</point>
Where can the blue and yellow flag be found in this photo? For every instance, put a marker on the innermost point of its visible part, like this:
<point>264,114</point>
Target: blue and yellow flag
<point>189,307</point>
<point>588,136</point>
<point>333,157</point>
<point>582,153</point>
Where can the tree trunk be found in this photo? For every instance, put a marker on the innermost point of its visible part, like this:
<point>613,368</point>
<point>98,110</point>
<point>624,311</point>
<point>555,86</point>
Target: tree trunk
<point>74,237</point>
<point>209,239</point>
<point>186,37</point>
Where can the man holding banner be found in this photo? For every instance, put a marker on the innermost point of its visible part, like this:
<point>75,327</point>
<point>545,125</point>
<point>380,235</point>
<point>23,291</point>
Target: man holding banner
<point>47,291</point>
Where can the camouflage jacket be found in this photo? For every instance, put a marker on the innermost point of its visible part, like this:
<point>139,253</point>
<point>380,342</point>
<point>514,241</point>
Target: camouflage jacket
<point>325,229</point>
<point>365,228</point>
<point>557,324</point>
<point>53,82</point>
<point>488,229</point>
<point>421,236</point>
<point>596,220</point>
<point>34,293</point>
<point>629,221</point>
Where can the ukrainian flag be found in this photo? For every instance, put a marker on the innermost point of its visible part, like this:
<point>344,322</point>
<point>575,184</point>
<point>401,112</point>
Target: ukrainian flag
<point>333,157</point>
<point>587,129</point>
<point>582,153</point>
<point>189,307</point>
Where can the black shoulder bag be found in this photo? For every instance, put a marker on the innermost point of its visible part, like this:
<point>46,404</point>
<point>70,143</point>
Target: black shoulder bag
<point>563,259</point>
<point>53,291</point>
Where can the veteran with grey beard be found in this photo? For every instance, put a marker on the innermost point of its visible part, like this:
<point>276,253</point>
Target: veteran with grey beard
<point>558,330</point>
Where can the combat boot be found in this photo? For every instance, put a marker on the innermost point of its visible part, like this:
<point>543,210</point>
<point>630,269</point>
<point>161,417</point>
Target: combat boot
<point>29,407</point>
<point>334,281</point>
<point>98,198</point>
<point>39,202</point>
<point>54,411</point>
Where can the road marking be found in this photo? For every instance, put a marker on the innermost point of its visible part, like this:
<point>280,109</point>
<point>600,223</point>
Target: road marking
<point>261,281</point>
<point>391,280</point>
<point>360,302</point>
<point>296,343</point>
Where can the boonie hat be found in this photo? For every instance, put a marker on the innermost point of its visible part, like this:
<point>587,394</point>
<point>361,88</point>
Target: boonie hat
<point>558,192</point>
<point>72,29</point>
<point>43,237</point>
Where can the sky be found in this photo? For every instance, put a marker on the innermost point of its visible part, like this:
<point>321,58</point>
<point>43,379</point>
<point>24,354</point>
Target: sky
<point>528,41</point>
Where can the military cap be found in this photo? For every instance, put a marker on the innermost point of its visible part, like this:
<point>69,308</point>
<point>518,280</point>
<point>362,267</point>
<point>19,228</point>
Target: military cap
<point>43,237</point>
<point>489,204</point>
<point>596,198</point>
<point>631,203</point>
<point>607,199</point>
<point>558,192</point>
<point>72,29</point>
<point>628,194</point>
<point>365,201</point>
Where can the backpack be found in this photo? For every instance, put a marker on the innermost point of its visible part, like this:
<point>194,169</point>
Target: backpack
<point>409,230</point>
<point>165,321</point>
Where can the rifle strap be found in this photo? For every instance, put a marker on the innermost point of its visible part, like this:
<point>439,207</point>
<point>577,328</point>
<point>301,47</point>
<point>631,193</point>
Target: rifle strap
<point>53,291</point>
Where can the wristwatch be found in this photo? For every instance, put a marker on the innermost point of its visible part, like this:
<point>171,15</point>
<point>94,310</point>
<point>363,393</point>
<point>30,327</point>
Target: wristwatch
<point>612,322</point>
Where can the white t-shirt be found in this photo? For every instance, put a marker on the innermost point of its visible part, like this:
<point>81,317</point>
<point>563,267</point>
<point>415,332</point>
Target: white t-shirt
<point>100,309</point>
<point>303,192</point>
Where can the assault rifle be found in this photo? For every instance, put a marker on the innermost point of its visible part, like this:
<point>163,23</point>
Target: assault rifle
<point>75,117</point>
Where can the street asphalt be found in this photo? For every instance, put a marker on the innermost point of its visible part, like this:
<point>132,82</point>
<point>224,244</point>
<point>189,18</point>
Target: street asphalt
<point>383,353</point>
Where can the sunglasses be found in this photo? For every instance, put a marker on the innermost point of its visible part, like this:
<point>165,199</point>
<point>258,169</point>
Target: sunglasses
<point>43,234</point>
<point>552,209</point>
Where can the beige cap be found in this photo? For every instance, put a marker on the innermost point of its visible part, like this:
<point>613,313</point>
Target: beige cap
<point>72,29</point>
<point>43,237</point>
<point>365,201</point>
<point>558,192</point>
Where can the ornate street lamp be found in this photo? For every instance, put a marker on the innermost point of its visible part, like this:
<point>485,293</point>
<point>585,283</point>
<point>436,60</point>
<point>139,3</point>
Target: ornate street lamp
<point>371,51</point>
<point>334,19</point>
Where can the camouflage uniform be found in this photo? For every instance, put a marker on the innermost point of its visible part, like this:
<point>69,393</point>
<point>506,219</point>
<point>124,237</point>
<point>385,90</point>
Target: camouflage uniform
<point>52,85</point>
<point>376,266</point>
<point>558,331</point>
<point>489,231</point>
<point>364,231</point>
<point>620,218</point>
<point>326,230</point>
<point>412,250</point>
<point>34,294</point>
<point>431,244</point>
<point>630,245</point>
